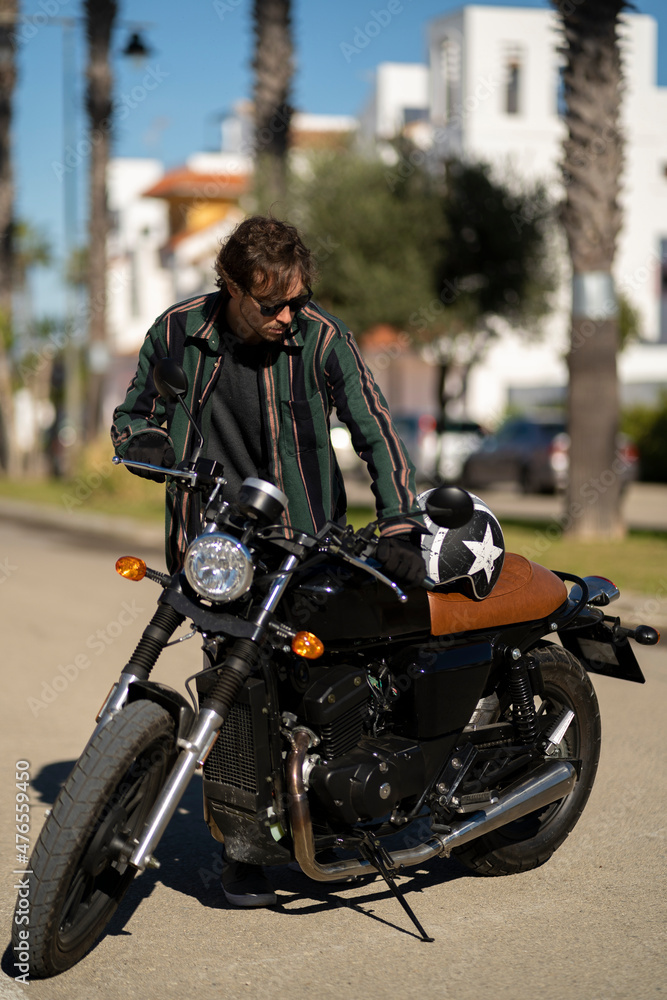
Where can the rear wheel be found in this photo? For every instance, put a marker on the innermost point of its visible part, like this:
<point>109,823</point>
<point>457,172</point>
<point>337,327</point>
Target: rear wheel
<point>530,841</point>
<point>79,865</point>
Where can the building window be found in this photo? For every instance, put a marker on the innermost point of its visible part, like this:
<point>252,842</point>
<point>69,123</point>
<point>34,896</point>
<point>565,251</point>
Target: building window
<point>411,115</point>
<point>561,103</point>
<point>450,56</point>
<point>513,74</point>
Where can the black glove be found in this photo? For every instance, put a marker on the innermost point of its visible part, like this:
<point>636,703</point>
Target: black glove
<point>153,448</point>
<point>401,560</point>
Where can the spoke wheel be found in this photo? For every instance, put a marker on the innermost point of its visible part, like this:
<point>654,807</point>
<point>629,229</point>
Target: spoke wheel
<point>80,862</point>
<point>528,842</point>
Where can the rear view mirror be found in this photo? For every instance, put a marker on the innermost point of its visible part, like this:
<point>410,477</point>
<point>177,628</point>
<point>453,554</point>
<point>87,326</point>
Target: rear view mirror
<point>172,384</point>
<point>170,379</point>
<point>449,506</point>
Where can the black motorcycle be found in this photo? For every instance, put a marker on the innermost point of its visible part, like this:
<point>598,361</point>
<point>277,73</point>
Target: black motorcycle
<point>334,713</point>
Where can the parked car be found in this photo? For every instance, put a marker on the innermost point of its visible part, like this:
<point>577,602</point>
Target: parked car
<point>533,452</point>
<point>446,446</point>
<point>414,429</point>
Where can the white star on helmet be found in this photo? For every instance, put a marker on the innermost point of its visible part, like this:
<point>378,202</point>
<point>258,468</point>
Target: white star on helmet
<point>485,553</point>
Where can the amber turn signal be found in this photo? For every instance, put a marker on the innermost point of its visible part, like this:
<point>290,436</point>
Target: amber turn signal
<point>131,568</point>
<point>307,645</point>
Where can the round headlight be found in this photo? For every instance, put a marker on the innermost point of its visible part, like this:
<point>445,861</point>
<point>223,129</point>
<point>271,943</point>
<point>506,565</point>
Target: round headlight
<point>218,567</point>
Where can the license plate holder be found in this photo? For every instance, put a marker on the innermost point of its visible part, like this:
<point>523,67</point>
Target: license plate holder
<point>602,653</point>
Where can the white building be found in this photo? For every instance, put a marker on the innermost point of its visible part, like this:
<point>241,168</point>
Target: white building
<point>494,93</point>
<point>399,104</point>
<point>137,284</point>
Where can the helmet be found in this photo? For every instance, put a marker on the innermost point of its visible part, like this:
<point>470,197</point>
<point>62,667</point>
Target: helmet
<point>472,554</point>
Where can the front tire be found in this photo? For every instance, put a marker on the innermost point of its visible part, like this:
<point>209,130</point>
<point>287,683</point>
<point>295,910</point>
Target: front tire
<point>530,841</point>
<point>80,870</point>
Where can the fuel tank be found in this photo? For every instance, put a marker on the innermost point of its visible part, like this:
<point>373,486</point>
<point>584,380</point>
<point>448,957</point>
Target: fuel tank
<point>340,603</point>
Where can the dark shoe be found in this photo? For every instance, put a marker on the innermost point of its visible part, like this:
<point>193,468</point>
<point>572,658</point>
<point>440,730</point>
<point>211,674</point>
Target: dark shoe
<point>246,885</point>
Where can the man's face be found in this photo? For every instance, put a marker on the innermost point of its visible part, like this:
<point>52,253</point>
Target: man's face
<point>245,316</point>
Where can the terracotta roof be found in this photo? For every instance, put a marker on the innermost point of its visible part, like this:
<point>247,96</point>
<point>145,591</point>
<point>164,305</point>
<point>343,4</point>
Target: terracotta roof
<point>185,183</point>
<point>380,336</point>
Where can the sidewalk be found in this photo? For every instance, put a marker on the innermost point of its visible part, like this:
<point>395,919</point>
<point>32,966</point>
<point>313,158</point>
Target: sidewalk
<point>107,529</point>
<point>644,505</point>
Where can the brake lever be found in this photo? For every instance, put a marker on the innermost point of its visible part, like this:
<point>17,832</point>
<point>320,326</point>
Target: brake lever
<point>181,473</point>
<point>360,564</point>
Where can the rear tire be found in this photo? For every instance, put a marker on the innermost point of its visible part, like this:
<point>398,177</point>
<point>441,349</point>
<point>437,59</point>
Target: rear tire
<point>529,842</point>
<point>80,874</point>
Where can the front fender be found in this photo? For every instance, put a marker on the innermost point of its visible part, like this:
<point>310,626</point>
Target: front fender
<point>172,701</point>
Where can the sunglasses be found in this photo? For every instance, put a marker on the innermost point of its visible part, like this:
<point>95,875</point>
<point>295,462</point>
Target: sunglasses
<point>294,305</point>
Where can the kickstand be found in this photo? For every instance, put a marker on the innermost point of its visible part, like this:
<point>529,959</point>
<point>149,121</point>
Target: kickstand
<point>378,857</point>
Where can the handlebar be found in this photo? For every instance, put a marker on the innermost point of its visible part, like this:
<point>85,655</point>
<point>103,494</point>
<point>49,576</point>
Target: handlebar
<point>192,477</point>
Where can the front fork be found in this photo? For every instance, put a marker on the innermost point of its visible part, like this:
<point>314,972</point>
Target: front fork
<point>155,637</point>
<point>214,710</point>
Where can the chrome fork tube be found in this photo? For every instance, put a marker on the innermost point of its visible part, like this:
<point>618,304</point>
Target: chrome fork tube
<point>194,751</point>
<point>270,603</point>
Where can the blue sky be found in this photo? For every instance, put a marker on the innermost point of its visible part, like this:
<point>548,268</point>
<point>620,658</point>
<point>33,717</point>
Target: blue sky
<point>199,67</point>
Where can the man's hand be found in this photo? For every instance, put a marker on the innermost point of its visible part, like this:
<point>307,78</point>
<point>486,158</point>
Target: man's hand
<point>401,560</point>
<point>153,448</point>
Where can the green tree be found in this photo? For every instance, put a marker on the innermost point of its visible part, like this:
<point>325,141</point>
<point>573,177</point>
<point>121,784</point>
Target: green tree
<point>495,265</point>
<point>591,215</point>
<point>441,256</point>
<point>375,243</point>
<point>647,427</point>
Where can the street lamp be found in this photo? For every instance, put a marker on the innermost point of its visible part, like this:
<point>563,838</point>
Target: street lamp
<point>136,50</point>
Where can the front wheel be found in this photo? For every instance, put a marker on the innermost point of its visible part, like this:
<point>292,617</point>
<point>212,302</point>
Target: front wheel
<point>79,866</point>
<point>530,841</point>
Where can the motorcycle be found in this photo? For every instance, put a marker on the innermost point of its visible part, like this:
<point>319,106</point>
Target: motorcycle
<point>339,722</point>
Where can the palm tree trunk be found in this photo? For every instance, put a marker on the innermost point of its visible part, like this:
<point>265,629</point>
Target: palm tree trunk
<point>100,16</point>
<point>273,65</point>
<point>8,19</point>
<point>592,164</point>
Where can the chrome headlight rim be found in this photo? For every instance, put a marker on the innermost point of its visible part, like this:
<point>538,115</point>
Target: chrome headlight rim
<point>218,567</point>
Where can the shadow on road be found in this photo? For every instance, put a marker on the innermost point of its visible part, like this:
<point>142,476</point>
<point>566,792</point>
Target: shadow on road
<point>190,864</point>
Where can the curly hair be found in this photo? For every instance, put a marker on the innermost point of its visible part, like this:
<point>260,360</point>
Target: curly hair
<point>262,253</point>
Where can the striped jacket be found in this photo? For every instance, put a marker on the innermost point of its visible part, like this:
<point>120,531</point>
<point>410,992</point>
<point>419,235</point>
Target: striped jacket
<point>318,368</point>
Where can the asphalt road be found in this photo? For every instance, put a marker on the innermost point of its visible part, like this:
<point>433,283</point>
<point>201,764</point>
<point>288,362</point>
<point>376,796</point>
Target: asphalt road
<point>589,925</point>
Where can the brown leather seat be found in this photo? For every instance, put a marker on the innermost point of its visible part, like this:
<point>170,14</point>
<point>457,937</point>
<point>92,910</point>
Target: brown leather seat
<point>524,592</point>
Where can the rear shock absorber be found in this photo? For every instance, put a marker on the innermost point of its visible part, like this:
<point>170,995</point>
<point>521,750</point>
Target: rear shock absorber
<point>524,715</point>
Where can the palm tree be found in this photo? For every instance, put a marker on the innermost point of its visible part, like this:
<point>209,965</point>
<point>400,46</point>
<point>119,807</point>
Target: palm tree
<point>592,164</point>
<point>273,65</point>
<point>100,17</point>
<point>8,20</point>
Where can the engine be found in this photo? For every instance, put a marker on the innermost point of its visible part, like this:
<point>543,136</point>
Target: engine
<point>356,776</point>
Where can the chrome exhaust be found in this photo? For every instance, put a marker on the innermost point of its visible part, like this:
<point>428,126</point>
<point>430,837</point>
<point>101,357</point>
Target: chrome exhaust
<point>549,782</point>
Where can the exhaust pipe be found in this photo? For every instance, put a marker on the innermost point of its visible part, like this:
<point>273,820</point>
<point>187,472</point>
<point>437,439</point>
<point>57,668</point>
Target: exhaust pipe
<point>548,783</point>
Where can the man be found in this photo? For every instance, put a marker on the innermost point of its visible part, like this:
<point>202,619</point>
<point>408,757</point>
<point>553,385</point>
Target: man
<point>265,368</point>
